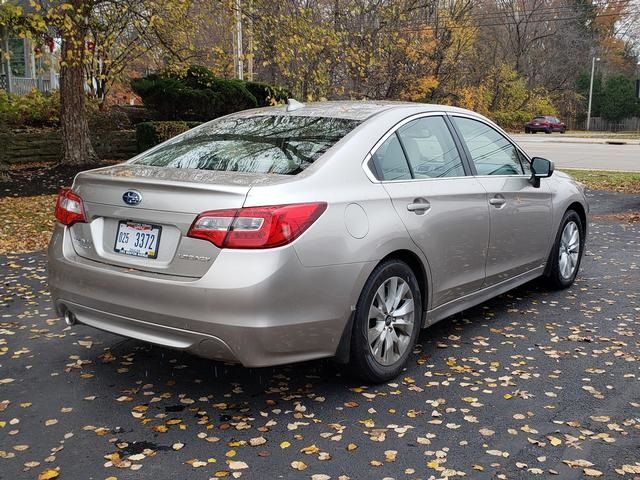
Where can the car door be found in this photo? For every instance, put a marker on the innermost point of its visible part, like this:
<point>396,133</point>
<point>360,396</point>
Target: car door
<point>520,214</point>
<point>444,210</point>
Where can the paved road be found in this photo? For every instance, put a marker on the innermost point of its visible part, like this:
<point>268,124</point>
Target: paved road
<point>582,153</point>
<point>514,388</point>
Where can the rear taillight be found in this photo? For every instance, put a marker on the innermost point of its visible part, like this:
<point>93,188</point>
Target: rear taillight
<point>69,207</point>
<point>256,227</point>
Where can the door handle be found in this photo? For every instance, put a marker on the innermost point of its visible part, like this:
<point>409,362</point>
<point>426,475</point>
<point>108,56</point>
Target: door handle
<point>419,206</point>
<point>497,201</point>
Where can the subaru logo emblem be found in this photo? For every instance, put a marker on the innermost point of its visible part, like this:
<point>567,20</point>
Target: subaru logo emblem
<point>131,197</point>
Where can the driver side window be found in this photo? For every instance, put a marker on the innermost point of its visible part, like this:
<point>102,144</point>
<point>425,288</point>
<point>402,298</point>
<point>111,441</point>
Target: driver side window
<point>491,153</point>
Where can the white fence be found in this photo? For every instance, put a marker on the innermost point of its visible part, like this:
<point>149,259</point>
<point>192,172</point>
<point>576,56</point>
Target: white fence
<point>22,85</point>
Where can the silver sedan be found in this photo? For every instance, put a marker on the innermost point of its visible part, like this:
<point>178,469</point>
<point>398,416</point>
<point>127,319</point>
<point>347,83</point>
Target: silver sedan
<point>289,233</point>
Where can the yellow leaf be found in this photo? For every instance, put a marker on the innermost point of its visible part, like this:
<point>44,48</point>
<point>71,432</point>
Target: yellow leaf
<point>48,474</point>
<point>310,450</point>
<point>369,423</point>
<point>390,455</point>
<point>433,464</point>
<point>351,447</point>
<point>555,441</point>
<point>284,445</point>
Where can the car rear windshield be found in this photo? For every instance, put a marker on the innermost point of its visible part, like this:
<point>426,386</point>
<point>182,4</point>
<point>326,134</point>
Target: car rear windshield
<point>278,144</point>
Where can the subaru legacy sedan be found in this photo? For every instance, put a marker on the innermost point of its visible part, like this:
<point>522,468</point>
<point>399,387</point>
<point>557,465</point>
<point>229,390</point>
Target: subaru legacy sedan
<point>297,232</point>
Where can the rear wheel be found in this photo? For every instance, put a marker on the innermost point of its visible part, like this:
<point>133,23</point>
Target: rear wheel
<point>387,322</point>
<point>567,252</point>
<point>527,130</point>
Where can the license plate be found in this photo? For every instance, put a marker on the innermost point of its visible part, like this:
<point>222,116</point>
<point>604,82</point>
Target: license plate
<point>138,239</point>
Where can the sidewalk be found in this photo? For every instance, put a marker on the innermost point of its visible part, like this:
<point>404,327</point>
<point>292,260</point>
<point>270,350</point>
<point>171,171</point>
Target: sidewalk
<point>559,138</point>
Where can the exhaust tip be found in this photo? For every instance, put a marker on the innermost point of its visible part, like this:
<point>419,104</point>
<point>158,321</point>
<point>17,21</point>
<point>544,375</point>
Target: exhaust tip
<point>69,318</point>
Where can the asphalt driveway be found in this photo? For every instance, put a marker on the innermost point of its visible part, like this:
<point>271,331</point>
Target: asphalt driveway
<point>531,384</point>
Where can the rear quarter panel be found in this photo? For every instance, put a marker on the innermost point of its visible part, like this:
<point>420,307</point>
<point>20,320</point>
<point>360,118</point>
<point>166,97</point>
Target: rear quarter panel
<point>360,225</point>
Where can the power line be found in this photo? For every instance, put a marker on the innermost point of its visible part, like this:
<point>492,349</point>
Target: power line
<point>508,23</point>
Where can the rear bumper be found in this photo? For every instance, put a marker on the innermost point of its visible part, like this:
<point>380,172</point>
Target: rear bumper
<point>537,128</point>
<point>258,308</point>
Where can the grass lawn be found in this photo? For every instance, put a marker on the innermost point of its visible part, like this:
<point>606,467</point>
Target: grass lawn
<point>594,134</point>
<point>625,182</point>
<point>26,223</point>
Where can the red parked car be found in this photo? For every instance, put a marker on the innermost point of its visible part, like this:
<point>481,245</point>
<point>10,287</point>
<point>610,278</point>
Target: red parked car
<point>545,124</point>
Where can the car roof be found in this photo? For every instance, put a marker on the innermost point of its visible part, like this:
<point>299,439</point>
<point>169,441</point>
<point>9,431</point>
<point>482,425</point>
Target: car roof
<point>350,109</point>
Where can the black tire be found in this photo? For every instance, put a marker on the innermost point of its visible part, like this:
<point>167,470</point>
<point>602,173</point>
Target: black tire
<point>362,361</point>
<point>526,130</point>
<point>563,130</point>
<point>554,277</point>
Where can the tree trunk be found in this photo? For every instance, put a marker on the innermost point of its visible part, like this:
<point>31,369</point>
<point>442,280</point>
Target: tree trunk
<point>4,171</point>
<point>76,143</point>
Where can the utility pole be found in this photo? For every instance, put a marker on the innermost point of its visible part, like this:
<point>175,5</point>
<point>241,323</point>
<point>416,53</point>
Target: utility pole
<point>239,61</point>
<point>250,43</point>
<point>593,69</point>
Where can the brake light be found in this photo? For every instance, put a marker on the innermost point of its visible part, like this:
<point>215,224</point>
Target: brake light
<point>69,207</point>
<point>256,227</point>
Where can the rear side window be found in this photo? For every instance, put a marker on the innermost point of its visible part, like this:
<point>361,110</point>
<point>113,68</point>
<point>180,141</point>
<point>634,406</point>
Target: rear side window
<point>390,162</point>
<point>278,144</point>
<point>430,148</point>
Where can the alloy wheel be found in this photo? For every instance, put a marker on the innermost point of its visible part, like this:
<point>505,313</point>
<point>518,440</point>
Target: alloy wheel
<point>569,250</point>
<point>391,321</point>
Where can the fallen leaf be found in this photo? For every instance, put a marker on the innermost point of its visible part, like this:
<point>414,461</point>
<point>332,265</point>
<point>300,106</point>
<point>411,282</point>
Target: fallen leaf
<point>297,465</point>
<point>591,472</point>
<point>578,463</point>
<point>236,465</point>
<point>48,474</point>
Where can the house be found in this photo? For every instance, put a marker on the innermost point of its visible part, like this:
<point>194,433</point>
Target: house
<point>28,66</point>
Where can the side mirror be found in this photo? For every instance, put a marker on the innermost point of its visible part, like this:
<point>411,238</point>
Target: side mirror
<point>540,168</point>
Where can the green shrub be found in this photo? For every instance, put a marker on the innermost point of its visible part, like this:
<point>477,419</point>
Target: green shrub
<point>267,94</point>
<point>32,110</point>
<point>150,134</point>
<point>194,95</point>
<point>108,120</point>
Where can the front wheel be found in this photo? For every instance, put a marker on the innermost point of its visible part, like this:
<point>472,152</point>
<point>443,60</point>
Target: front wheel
<point>567,252</point>
<point>387,322</point>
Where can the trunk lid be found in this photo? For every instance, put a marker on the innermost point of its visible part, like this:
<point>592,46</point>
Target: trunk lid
<point>170,200</point>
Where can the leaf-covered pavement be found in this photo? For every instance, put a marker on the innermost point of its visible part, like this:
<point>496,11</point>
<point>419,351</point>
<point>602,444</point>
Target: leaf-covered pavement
<point>533,384</point>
